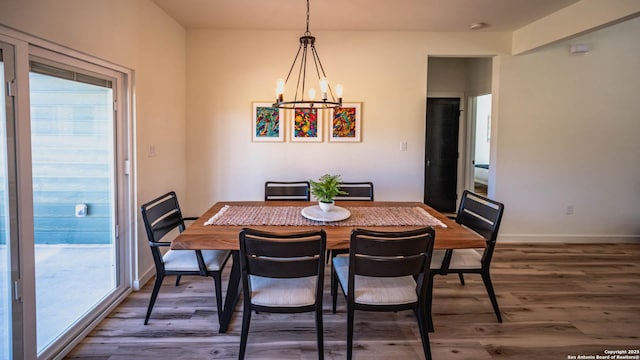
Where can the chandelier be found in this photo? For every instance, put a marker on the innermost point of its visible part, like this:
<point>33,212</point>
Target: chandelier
<point>326,100</point>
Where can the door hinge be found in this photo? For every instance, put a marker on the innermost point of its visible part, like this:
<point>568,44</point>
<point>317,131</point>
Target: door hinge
<point>127,167</point>
<point>11,88</point>
<point>117,231</point>
<point>115,105</point>
<point>17,290</point>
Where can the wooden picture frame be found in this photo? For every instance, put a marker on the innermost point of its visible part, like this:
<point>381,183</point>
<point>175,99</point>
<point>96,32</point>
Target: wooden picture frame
<point>345,123</point>
<point>306,125</point>
<point>267,122</point>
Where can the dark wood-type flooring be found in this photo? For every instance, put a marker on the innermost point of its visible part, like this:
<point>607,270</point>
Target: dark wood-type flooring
<point>557,300</point>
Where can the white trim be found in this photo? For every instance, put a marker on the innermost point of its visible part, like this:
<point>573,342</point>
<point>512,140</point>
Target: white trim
<point>49,45</point>
<point>142,280</point>
<point>25,195</point>
<point>568,238</point>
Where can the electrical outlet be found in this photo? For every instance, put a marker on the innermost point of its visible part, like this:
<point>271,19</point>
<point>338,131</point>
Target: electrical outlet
<point>403,145</point>
<point>152,151</point>
<point>569,210</point>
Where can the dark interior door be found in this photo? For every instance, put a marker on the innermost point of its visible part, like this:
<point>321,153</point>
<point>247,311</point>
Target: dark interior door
<point>441,153</point>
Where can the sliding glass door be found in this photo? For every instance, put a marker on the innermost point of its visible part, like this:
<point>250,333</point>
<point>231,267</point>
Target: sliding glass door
<point>74,194</point>
<point>65,195</point>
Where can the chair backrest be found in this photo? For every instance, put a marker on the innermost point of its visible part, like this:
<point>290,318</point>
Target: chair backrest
<point>356,191</point>
<point>286,255</point>
<point>483,216</point>
<point>287,190</point>
<point>161,215</point>
<point>391,254</point>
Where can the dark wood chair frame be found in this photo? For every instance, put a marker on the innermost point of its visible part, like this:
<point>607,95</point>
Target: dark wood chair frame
<point>357,191</point>
<point>483,216</point>
<point>160,216</point>
<point>287,190</point>
<point>286,255</point>
<point>389,254</point>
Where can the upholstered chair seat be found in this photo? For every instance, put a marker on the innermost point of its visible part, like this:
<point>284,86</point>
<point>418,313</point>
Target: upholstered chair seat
<point>186,260</point>
<point>283,292</point>
<point>461,259</point>
<point>377,290</point>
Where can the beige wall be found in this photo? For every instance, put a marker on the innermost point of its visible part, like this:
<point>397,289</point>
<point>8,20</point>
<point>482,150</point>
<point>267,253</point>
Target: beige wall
<point>568,135</point>
<point>387,72</point>
<point>137,35</point>
<point>562,124</point>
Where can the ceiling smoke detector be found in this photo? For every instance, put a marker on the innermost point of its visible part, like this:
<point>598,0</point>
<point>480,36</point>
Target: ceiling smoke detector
<point>478,26</point>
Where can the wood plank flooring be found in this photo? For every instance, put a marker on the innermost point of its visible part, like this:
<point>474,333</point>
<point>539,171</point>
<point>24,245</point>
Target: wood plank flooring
<point>557,300</point>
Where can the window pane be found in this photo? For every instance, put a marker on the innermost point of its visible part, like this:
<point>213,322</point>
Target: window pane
<point>73,196</point>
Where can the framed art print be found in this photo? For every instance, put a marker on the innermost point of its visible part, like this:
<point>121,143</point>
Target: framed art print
<point>306,125</point>
<point>268,122</point>
<point>345,123</point>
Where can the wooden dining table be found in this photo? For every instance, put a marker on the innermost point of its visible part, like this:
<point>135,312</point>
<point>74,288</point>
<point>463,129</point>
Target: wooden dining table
<point>199,236</point>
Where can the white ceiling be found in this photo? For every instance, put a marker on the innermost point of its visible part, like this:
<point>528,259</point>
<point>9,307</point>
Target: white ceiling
<point>365,15</point>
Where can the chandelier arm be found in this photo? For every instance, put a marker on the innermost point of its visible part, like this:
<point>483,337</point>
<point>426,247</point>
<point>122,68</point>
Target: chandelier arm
<point>301,77</point>
<point>315,56</point>
<point>304,71</point>
<point>293,64</point>
<point>317,61</point>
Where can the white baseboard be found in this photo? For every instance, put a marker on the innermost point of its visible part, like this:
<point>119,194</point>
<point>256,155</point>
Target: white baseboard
<point>567,238</point>
<point>146,276</point>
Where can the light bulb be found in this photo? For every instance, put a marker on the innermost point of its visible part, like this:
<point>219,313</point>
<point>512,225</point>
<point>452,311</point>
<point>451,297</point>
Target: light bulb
<point>339,90</point>
<point>280,87</point>
<point>312,94</point>
<point>324,85</point>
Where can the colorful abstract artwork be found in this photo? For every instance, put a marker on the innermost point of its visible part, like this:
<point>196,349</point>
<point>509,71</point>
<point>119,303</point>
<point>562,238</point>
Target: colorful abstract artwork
<point>345,123</point>
<point>307,125</point>
<point>267,123</point>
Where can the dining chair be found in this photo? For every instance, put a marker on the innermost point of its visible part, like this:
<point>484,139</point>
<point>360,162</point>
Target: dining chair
<point>356,191</point>
<point>380,275</point>
<point>282,273</point>
<point>161,216</point>
<point>287,190</point>
<point>483,216</point>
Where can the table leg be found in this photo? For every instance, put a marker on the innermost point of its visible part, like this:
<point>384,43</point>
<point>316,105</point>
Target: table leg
<point>233,292</point>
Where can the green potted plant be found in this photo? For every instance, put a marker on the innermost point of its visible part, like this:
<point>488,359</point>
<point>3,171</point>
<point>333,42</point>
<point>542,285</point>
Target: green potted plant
<point>326,189</point>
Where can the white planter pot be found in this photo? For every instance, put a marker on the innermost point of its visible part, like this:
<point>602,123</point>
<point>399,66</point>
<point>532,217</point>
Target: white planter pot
<point>326,207</point>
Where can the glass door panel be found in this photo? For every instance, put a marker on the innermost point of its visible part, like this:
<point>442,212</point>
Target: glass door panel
<point>72,139</point>
<point>5,263</point>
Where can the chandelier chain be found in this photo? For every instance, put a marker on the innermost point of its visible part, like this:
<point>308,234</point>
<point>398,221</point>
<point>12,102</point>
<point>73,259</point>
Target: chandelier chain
<point>307,32</point>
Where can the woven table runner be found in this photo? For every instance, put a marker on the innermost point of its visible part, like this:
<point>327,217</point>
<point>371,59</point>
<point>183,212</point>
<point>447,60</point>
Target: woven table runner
<point>291,215</point>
